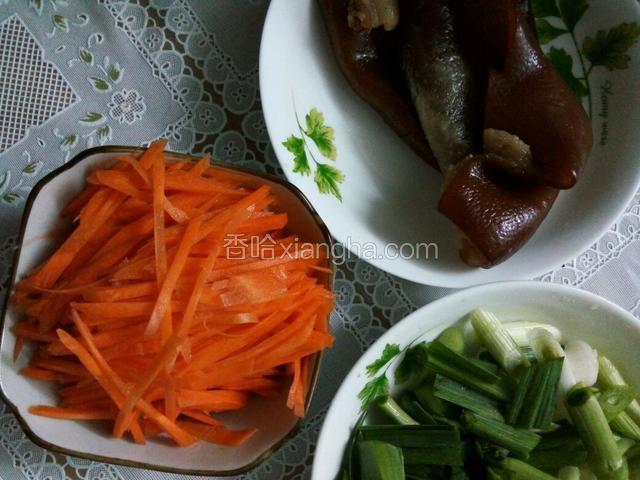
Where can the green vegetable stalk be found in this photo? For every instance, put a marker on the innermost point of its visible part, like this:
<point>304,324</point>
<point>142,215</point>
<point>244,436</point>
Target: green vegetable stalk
<point>452,338</point>
<point>520,470</point>
<point>393,411</point>
<point>625,426</point>
<point>608,377</point>
<point>380,461</point>
<point>595,432</point>
<point>496,339</point>
<point>518,441</point>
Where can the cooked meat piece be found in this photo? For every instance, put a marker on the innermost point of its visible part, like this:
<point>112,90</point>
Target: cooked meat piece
<point>373,77</point>
<point>529,99</point>
<point>370,14</point>
<point>496,213</point>
<point>455,72</point>
<point>508,152</point>
<point>447,92</point>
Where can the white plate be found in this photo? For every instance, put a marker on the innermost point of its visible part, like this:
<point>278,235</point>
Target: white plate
<point>390,195</point>
<point>579,315</point>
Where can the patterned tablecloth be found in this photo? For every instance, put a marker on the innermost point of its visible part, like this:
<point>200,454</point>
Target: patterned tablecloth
<point>74,74</point>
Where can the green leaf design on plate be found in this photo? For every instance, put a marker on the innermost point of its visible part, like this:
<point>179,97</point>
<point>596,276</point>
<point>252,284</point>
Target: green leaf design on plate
<point>547,32</point>
<point>104,134</point>
<point>321,134</point>
<point>86,56</point>
<point>328,179</point>
<point>61,22</point>
<point>92,117</point>
<point>375,388</point>
<point>609,48</point>
<point>412,364</point>
<point>300,161</point>
<point>572,11</point>
<point>391,351</point>
<point>545,8</point>
<point>564,65</point>
<point>37,6</point>
<point>115,73</point>
<point>100,84</point>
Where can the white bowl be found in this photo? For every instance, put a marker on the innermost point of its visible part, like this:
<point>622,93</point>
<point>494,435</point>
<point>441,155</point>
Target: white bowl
<point>390,195</point>
<point>275,422</point>
<point>579,314</point>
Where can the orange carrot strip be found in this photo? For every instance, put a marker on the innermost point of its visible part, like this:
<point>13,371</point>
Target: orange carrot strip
<point>171,401</point>
<point>177,214</point>
<point>301,396</point>
<point>224,347</point>
<point>187,182</point>
<point>81,396</point>
<point>47,375</point>
<point>114,309</point>
<point>295,384</point>
<point>169,282</point>
<point>72,413</point>
<point>136,348</point>
<point>120,182</point>
<point>115,383</point>
<point>201,166</point>
<point>159,363</point>
<point>158,179</point>
<point>199,284</point>
<point>53,268</point>
<point>225,370</point>
<point>137,167</point>
<point>217,434</point>
<point>178,165</point>
<point>103,403</point>
<point>150,154</point>
<point>86,253</point>
<point>62,366</point>
<point>117,293</point>
<point>212,400</point>
<point>201,417</point>
<point>263,224</point>
<point>31,332</point>
<point>252,384</point>
<point>104,339</point>
<point>74,206</point>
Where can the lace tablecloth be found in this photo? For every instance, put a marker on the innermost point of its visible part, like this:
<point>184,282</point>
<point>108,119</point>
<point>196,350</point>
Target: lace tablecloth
<point>74,74</point>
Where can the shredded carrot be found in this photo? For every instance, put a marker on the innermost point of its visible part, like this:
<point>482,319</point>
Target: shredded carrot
<point>158,175</point>
<point>212,400</point>
<point>72,413</point>
<point>180,293</point>
<point>171,279</point>
<point>217,434</point>
<point>179,435</point>
<point>74,206</point>
<point>135,164</point>
<point>47,375</point>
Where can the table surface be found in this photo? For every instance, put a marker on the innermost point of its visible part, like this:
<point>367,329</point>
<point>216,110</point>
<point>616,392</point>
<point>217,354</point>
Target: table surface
<point>75,74</point>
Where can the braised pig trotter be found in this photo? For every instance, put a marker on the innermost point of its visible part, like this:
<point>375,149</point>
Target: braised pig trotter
<point>445,85</point>
<point>373,78</point>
